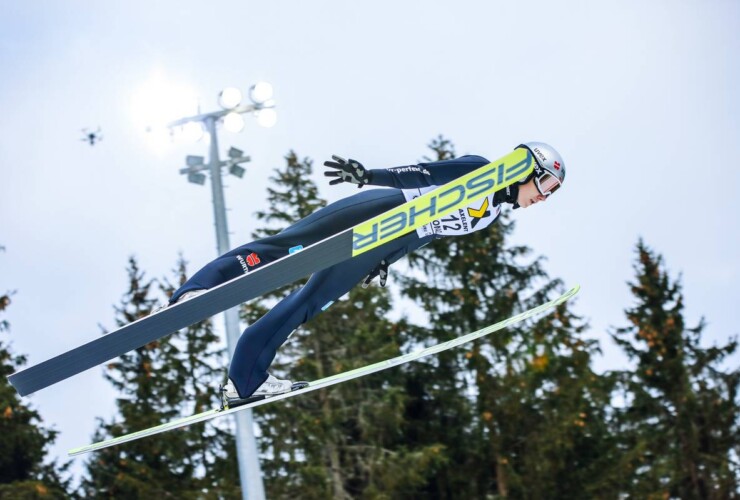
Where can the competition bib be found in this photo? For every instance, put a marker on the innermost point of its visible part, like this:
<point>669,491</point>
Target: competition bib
<point>474,217</point>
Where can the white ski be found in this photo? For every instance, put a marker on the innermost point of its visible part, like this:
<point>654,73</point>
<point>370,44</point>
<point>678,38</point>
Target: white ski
<point>332,380</point>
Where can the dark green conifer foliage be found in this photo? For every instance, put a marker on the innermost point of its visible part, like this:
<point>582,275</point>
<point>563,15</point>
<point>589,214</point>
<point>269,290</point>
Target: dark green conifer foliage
<point>202,362</point>
<point>347,441</point>
<point>496,408</point>
<point>24,442</point>
<point>292,196</point>
<point>440,415</point>
<point>552,413</point>
<point>681,419</point>
<point>158,382</point>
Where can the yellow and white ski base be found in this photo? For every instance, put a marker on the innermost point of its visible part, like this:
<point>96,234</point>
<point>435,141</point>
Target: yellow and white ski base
<point>334,379</point>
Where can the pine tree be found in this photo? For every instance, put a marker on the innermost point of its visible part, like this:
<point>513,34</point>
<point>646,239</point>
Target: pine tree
<point>23,447</point>
<point>292,196</point>
<point>202,361</point>
<point>523,394</point>
<point>553,413</point>
<point>158,382</point>
<point>347,441</point>
<point>441,415</point>
<point>681,417</point>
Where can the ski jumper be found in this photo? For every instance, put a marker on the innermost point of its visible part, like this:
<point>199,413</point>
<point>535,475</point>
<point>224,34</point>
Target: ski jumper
<point>258,344</point>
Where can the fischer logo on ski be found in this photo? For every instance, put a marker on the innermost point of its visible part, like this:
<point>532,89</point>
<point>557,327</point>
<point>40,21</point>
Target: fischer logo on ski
<point>442,201</point>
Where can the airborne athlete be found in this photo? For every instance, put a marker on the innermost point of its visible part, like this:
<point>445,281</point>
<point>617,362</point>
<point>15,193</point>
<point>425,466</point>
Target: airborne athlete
<point>257,346</point>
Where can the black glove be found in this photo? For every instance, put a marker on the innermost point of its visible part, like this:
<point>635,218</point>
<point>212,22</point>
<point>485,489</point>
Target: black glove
<point>347,171</point>
<point>381,270</point>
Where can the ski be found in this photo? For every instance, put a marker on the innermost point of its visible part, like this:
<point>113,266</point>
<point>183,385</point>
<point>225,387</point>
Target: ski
<point>329,381</point>
<point>349,243</point>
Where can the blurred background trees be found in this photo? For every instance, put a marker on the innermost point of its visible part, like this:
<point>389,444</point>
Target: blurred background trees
<point>521,413</point>
<point>25,439</point>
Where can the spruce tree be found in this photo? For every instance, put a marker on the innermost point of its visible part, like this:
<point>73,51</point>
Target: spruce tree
<point>439,412</point>
<point>520,395</point>
<point>25,441</point>
<point>553,413</point>
<point>347,441</point>
<point>681,418</point>
<point>292,196</point>
<point>174,376</point>
<point>203,360</point>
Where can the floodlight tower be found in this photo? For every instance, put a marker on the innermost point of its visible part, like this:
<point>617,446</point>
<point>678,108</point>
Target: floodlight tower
<point>230,116</point>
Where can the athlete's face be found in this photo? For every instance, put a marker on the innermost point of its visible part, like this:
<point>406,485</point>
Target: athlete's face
<point>529,195</point>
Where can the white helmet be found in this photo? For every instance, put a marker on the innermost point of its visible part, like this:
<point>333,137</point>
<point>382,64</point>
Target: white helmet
<point>549,173</point>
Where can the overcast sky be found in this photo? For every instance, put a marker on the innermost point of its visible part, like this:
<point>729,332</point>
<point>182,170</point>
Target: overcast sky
<point>640,98</point>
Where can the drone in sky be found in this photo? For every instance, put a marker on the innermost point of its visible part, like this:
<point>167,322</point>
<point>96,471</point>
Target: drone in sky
<point>91,137</point>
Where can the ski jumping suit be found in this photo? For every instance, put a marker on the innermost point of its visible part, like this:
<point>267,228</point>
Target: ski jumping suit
<point>258,344</point>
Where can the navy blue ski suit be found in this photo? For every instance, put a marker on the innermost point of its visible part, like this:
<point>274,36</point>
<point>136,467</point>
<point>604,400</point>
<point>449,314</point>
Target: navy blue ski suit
<point>258,344</point>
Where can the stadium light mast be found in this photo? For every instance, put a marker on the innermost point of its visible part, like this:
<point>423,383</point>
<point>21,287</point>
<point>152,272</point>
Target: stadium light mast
<point>193,127</point>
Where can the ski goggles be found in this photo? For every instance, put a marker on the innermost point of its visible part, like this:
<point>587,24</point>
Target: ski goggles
<point>547,183</point>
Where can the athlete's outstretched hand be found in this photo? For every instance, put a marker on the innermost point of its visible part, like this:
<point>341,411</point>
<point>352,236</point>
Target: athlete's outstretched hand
<point>381,270</point>
<point>347,171</point>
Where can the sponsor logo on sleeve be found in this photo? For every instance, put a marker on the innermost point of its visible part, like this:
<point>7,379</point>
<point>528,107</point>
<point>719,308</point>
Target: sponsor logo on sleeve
<point>251,260</point>
<point>410,168</point>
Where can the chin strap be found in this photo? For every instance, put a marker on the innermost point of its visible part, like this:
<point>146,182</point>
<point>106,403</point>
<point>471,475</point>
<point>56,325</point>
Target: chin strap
<point>507,195</point>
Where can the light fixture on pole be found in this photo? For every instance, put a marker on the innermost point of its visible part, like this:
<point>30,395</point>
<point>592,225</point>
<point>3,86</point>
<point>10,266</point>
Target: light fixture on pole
<point>236,156</point>
<point>194,161</point>
<point>233,122</point>
<point>230,116</point>
<point>260,92</point>
<point>237,171</point>
<point>230,97</point>
<point>196,178</point>
<point>266,117</point>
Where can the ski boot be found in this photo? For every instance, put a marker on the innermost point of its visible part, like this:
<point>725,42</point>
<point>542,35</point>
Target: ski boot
<point>185,296</point>
<point>273,386</point>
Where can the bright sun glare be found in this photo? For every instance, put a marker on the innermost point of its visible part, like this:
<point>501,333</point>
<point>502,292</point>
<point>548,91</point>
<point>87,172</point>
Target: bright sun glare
<point>159,102</point>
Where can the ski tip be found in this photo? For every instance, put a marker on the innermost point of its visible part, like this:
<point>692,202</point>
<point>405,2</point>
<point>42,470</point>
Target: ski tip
<point>569,294</point>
